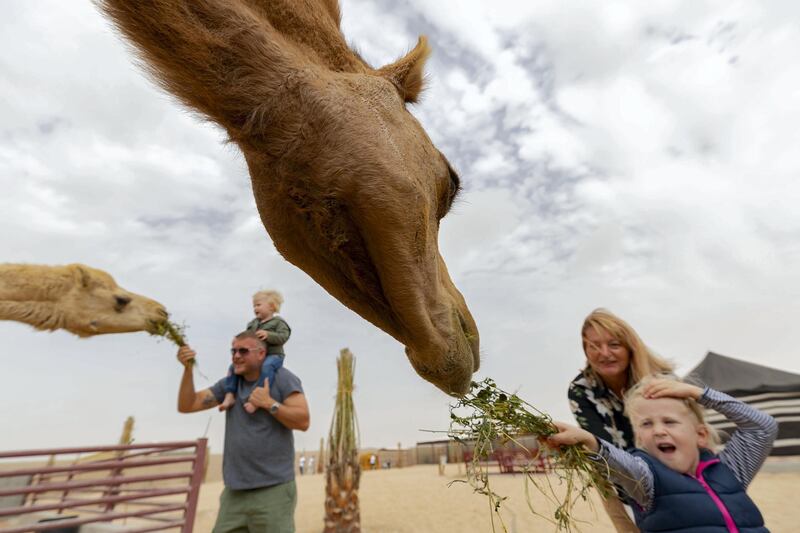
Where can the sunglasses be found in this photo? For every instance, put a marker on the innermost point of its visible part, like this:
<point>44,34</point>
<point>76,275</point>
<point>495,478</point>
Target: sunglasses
<point>242,351</point>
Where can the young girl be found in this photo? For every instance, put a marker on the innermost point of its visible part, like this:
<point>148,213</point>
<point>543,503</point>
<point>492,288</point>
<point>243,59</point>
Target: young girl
<point>677,482</point>
<point>273,332</point>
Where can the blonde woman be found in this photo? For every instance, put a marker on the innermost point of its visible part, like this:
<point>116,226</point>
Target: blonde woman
<point>616,359</point>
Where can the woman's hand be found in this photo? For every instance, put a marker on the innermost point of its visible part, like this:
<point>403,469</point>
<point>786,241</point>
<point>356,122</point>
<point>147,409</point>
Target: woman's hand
<point>568,435</point>
<point>668,388</point>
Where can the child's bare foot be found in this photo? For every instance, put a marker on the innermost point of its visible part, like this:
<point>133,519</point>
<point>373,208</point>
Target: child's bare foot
<point>249,407</point>
<point>228,402</point>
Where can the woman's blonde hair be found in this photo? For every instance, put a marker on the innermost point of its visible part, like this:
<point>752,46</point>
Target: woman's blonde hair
<point>635,394</point>
<point>643,361</point>
<point>274,297</point>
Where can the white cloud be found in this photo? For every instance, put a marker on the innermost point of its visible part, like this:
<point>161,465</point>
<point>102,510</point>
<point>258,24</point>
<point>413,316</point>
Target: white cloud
<point>638,156</point>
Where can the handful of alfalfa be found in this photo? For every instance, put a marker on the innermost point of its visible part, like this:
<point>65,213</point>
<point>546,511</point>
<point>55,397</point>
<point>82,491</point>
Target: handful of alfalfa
<point>488,418</point>
<point>172,331</point>
<point>177,334</point>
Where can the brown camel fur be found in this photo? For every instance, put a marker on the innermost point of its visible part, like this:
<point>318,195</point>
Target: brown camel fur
<point>77,298</point>
<point>348,184</point>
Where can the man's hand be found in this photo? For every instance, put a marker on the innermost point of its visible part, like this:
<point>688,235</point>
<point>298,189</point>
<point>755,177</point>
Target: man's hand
<point>668,388</point>
<point>261,334</point>
<point>568,435</point>
<point>186,355</point>
<point>260,396</point>
<point>190,400</point>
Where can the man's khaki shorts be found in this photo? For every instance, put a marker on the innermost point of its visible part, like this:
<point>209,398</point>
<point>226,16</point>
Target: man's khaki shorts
<point>267,510</point>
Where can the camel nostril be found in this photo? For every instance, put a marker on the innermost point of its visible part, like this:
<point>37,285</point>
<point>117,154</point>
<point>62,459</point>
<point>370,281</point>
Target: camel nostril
<point>461,321</point>
<point>472,340</point>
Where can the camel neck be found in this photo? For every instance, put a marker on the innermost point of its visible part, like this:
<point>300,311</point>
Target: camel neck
<point>28,294</point>
<point>24,283</point>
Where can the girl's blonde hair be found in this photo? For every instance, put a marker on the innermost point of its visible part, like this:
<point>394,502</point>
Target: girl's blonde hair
<point>643,361</point>
<point>635,394</point>
<point>274,297</point>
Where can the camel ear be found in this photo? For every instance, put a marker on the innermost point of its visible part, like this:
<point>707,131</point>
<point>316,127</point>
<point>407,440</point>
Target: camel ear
<point>83,275</point>
<point>407,72</point>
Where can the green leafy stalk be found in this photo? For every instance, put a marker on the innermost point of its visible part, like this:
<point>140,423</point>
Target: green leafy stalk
<point>172,331</point>
<point>177,334</point>
<point>488,417</point>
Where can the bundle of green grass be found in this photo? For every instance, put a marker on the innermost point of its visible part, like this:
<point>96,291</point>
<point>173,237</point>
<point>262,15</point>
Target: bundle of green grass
<point>172,331</point>
<point>488,417</point>
<point>177,334</point>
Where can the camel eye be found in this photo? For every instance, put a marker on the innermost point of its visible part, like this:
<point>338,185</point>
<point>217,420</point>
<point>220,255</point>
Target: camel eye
<point>451,191</point>
<point>121,302</point>
<point>455,184</point>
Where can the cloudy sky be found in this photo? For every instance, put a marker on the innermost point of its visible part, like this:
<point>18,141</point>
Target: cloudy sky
<point>632,155</point>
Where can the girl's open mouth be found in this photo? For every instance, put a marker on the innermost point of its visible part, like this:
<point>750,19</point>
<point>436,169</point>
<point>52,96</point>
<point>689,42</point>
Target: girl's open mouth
<point>666,448</point>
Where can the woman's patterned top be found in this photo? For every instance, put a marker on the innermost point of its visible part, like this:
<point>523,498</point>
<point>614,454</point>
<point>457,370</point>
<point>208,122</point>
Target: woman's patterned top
<point>599,411</point>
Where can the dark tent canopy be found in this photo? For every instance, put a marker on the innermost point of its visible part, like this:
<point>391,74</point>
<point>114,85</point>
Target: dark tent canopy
<point>773,391</point>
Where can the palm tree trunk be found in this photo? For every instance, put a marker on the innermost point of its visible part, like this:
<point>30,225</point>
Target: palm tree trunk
<point>343,473</point>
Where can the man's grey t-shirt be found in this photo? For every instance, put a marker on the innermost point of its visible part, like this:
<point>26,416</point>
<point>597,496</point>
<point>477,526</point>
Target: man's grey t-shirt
<point>259,450</point>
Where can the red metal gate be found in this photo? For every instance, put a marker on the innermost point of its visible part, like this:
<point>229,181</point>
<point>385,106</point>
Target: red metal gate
<point>149,487</point>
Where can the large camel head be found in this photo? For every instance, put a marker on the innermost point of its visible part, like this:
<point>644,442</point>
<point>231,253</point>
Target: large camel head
<point>348,184</point>
<point>77,298</point>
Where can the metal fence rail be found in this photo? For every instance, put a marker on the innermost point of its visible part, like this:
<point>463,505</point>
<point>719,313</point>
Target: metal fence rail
<point>72,489</point>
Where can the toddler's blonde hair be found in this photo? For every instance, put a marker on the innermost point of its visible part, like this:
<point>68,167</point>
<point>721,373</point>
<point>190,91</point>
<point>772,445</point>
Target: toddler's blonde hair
<point>635,394</point>
<point>271,296</point>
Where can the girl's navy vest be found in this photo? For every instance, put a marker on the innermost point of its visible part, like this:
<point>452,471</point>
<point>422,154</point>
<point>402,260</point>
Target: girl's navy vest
<point>682,504</point>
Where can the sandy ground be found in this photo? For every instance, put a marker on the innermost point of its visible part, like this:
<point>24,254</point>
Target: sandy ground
<point>418,500</point>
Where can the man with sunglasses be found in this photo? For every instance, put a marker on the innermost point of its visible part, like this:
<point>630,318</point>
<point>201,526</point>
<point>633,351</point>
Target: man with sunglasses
<point>258,459</point>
